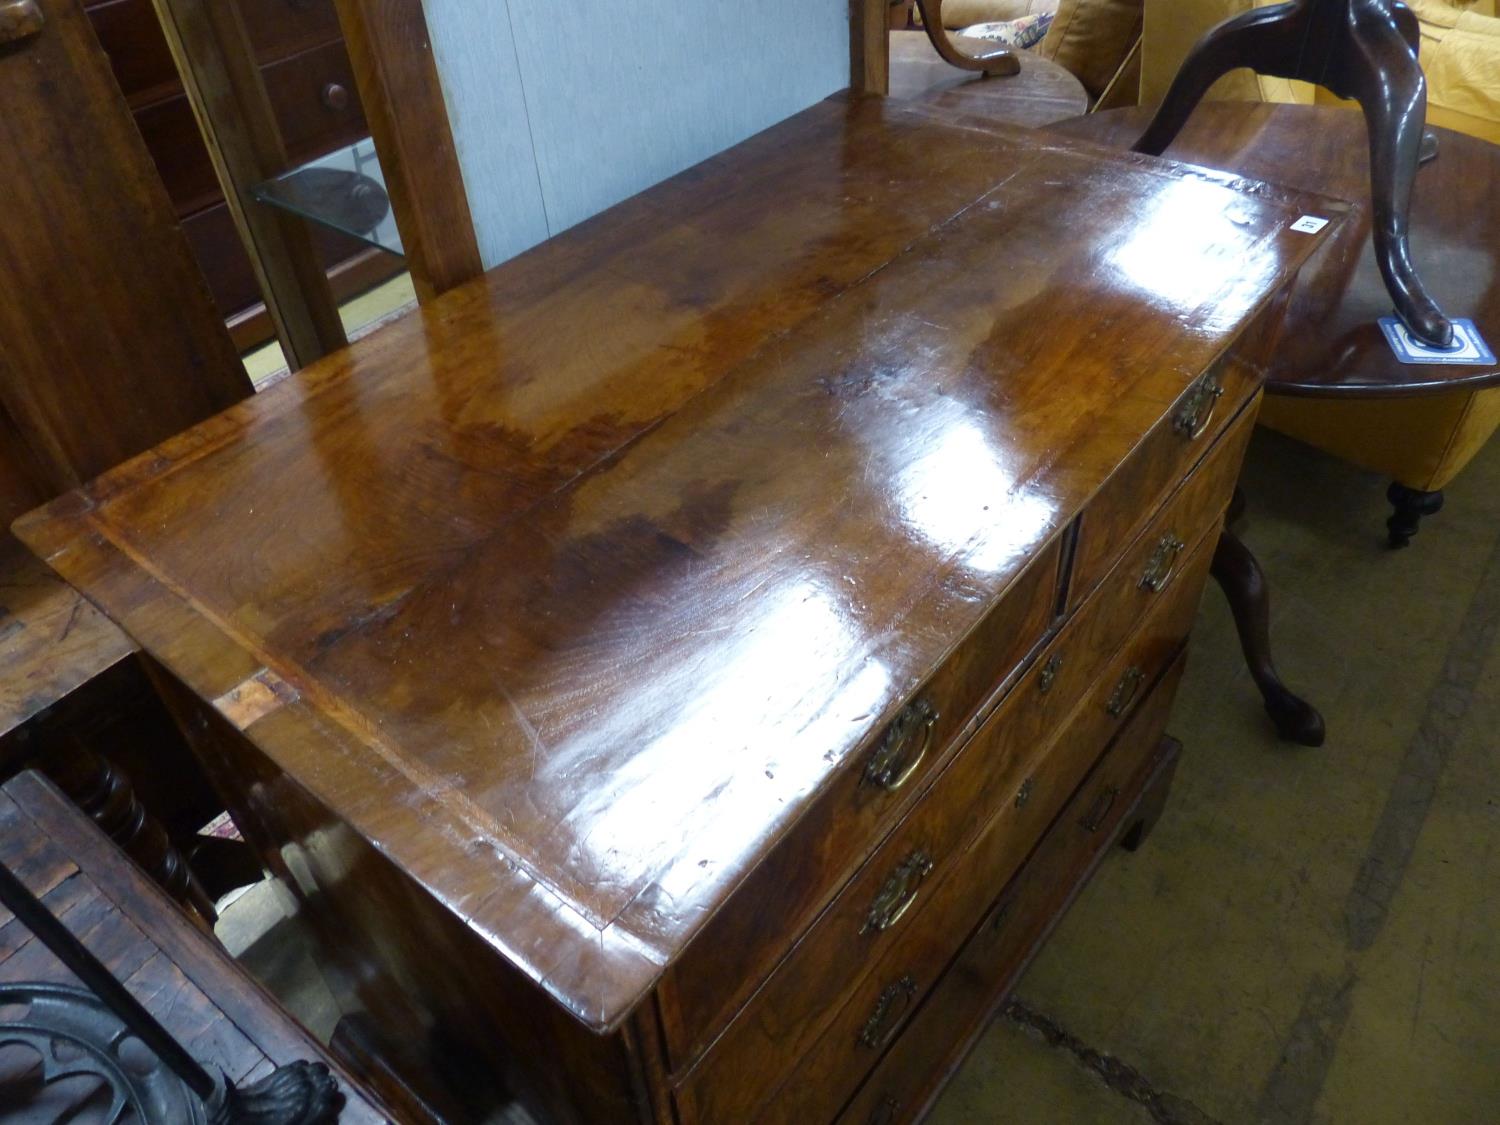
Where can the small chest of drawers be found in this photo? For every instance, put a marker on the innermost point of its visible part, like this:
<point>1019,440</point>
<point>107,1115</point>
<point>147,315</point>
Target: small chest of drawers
<point>690,667</point>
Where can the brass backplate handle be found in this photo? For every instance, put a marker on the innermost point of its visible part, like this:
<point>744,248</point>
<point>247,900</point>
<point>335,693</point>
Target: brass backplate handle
<point>1162,563</point>
<point>894,1003</point>
<point>898,893</point>
<point>1126,691</point>
<point>905,744</point>
<point>1099,812</point>
<point>19,19</point>
<point>1197,409</point>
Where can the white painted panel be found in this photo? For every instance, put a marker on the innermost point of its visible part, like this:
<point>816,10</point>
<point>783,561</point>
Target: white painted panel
<point>476,59</point>
<point>561,109</point>
<point>624,93</point>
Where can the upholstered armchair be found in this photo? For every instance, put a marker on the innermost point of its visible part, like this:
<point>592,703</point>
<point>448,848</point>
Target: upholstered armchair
<point>1421,443</point>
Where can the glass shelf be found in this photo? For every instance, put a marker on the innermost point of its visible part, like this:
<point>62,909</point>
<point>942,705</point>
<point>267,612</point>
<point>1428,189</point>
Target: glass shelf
<point>344,190</point>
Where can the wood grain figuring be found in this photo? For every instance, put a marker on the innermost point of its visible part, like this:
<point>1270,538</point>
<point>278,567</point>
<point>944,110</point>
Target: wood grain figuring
<point>181,976</point>
<point>402,94</point>
<point>216,62</point>
<point>1330,343</point>
<point>51,640</point>
<point>88,214</point>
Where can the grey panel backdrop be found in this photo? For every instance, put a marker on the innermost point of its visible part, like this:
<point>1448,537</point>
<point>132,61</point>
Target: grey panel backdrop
<point>561,108</point>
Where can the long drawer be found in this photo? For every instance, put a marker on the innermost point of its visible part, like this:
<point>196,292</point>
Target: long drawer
<point>939,1032</point>
<point>1014,775</point>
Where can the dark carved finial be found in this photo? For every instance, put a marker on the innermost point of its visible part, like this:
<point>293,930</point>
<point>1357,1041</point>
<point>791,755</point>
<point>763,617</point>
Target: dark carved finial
<point>300,1093</point>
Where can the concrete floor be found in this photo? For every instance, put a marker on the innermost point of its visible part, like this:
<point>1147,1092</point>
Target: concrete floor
<point>1309,935</point>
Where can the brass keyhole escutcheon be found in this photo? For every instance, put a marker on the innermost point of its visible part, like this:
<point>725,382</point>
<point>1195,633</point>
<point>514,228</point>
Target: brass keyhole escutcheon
<point>898,893</point>
<point>1197,409</point>
<point>1162,563</point>
<point>903,748</point>
<point>894,1002</point>
<point>1048,675</point>
<point>1126,691</point>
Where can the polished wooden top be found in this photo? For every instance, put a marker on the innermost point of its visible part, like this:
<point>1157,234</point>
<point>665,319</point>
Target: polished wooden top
<point>570,589</point>
<point>1332,345</point>
<point>1043,91</point>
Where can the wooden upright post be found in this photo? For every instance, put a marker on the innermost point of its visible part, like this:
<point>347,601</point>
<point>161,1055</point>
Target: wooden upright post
<point>869,46</point>
<point>214,57</point>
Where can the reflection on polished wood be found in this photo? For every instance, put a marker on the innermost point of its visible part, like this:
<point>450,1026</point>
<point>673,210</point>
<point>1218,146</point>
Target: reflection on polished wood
<point>1331,345</point>
<point>544,637</point>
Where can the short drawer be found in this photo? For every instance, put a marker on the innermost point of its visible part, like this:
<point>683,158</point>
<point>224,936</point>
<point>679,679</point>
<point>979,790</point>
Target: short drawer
<point>905,1080</point>
<point>1015,762</point>
<point>740,945</point>
<point>1167,454</point>
<point>315,100</point>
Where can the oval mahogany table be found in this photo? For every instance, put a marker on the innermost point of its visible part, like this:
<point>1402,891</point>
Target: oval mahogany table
<point>1043,92</point>
<point>1331,344</point>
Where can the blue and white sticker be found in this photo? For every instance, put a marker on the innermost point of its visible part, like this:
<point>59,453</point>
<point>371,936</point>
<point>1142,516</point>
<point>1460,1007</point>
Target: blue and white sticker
<point>1468,348</point>
<point>1310,224</point>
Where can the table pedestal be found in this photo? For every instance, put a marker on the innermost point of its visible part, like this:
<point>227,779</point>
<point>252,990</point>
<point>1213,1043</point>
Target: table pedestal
<point>1360,49</point>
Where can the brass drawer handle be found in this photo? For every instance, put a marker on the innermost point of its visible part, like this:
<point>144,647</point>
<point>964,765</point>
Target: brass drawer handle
<point>902,749</point>
<point>894,1003</point>
<point>1049,673</point>
<point>898,893</point>
<point>1198,407</point>
<point>19,19</point>
<point>1126,691</point>
<point>885,1113</point>
<point>1100,811</point>
<point>1162,563</point>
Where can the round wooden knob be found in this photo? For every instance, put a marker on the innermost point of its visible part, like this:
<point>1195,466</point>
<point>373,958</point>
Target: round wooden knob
<point>335,97</point>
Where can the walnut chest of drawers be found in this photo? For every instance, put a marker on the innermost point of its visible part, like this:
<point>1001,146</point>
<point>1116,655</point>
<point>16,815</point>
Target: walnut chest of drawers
<point>688,669</point>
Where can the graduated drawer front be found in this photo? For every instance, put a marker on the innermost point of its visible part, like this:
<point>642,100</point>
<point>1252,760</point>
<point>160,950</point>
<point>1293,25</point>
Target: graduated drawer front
<point>740,945</point>
<point>958,1008</point>
<point>1167,454</point>
<point>1017,750</point>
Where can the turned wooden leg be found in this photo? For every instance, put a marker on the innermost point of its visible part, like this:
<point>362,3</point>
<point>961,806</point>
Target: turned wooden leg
<point>1149,808</point>
<point>104,793</point>
<point>1381,71</point>
<point>1244,585</point>
<point>1411,505</point>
